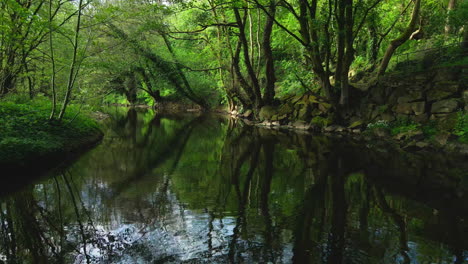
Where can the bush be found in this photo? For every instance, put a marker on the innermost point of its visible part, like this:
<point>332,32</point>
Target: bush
<point>378,124</point>
<point>461,127</point>
<point>403,125</point>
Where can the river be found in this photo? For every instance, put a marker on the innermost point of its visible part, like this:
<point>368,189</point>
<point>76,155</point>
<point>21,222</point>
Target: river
<point>207,189</point>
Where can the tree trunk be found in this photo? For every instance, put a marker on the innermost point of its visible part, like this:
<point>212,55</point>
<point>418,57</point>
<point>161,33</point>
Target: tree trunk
<point>349,52</point>
<point>394,44</point>
<point>451,7</point>
<point>73,71</point>
<point>253,77</point>
<point>464,43</point>
<point>270,66</point>
<point>52,59</point>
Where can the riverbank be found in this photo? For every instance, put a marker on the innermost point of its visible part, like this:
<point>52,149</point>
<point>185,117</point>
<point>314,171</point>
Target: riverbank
<point>405,136</point>
<point>30,142</point>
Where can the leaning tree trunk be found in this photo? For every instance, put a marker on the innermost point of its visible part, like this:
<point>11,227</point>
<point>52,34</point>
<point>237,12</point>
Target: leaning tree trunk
<point>394,44</point>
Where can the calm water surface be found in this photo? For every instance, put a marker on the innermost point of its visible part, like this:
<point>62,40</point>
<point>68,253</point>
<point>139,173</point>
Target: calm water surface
<point>202,189</point>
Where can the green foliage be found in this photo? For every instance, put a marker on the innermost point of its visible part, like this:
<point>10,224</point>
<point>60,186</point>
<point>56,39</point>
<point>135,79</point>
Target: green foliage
<point>430,129</point>
<point>403,125</point>
<point>378,124</point>
<point>320,121</point>
<point>26,131</point>
<point>461,127</point>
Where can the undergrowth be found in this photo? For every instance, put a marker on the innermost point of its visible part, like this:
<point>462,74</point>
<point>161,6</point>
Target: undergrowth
<point>26,131</point>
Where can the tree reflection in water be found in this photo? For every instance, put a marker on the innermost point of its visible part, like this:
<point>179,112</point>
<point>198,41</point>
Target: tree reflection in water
<point>171,189</point>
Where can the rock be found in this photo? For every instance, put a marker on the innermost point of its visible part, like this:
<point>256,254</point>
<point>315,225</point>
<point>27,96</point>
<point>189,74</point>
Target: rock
<point>441,139</point>
<point>330,128</point>
<point>408,134</point>
<point>266,123</point>
<point>282,117</point>
<point>447,122</point>
<point>313,99</point>
<point>247,114</point>
<point>422,144</point>
<point>356,131</point>
<point>387,117</point>
<point>414,96</point>
<point>301,125</point>
<point>266,112</point>
<point>403,108</point>
<point>374,114</point>
<point>303,113</point>
<point>296,99</point>
<point>339,129</point>
<point>324,107</point>
<point>418,108</point>
<point>447,86</point>
<point>381,132</point>
<point>444,106</point>
<point>436,95</point>
<point>409,108</point>
<point>419,118</point>
<point>285,109</point>
<point>356,124</point>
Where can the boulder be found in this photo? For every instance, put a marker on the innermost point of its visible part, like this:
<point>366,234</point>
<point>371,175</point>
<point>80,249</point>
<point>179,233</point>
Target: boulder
<point>303,113</point>
<point>411,97</point>
<point>248,114</point>
<point>285,109</point>
<point>324,107</point>
<point>444,106</point>
<point>418,107</point>
<point>387,117</point>
<point>403,108</point>
<point>380,132</point>
<point>267,112</point>
<point>441,138</point>
<point>330,128</point>
<point>408,134</point>
<point>301,125</point>
<point>356,124</point>
<point>436,95</point>
<point>447,86</point>
<point>421,144</point>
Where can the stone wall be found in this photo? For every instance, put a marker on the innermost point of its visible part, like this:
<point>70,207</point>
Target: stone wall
<point>420,96</point>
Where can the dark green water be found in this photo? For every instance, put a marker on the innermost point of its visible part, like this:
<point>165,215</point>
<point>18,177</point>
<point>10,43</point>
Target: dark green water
<point>202,189</point>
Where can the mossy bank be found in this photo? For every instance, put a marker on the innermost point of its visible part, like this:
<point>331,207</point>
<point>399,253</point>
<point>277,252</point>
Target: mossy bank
<point>30,142</point>
<point>427,109</point>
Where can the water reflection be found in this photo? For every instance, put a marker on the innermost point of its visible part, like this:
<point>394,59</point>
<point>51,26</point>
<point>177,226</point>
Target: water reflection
<point>196,189</point>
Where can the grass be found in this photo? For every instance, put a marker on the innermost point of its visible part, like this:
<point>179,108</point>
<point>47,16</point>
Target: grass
<point>26,132</point>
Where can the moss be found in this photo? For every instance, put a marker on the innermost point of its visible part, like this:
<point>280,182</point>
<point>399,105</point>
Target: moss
<point>320,121</point>
<point>27,134</point>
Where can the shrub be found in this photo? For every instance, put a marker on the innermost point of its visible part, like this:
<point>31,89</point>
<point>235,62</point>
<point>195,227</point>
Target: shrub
<point>461,127</point>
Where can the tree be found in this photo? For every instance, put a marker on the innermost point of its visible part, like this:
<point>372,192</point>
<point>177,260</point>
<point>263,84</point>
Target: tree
<point>394,44</point>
